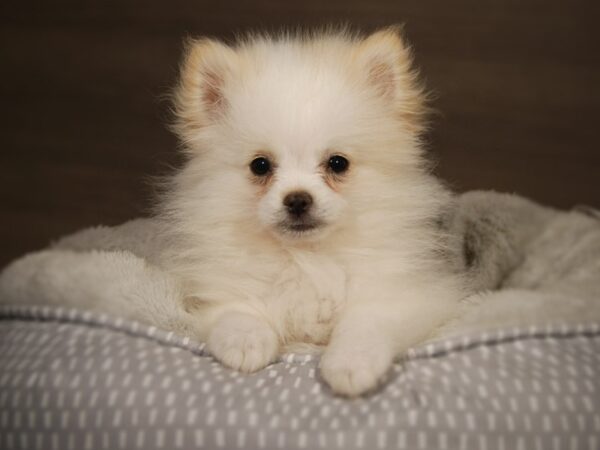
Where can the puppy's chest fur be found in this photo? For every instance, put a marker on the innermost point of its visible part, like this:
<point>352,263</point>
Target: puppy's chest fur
<point>305,297</point>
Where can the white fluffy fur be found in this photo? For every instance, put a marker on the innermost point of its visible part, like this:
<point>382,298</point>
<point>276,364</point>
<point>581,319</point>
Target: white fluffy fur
<point>368,283</point>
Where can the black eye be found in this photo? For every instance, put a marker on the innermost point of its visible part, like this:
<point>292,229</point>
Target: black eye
<point>338,164</point>
<point>260,166</point>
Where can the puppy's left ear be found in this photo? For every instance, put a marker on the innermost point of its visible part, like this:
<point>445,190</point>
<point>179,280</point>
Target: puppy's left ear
<point>200,99</point>
<point>387,64</point>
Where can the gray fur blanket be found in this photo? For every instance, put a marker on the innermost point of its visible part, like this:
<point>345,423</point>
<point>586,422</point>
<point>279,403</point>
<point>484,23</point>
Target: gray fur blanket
<point>531,265</point>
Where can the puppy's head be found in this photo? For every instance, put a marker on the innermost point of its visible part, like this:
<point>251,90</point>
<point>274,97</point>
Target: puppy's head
<point>299,135</point>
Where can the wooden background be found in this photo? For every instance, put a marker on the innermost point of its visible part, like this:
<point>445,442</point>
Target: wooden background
<point>82,126</point>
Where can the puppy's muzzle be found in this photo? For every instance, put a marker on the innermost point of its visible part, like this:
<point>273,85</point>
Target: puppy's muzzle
<point>298,204</point>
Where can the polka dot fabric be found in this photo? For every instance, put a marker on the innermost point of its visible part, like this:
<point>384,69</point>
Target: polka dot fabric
<point>71,380</point>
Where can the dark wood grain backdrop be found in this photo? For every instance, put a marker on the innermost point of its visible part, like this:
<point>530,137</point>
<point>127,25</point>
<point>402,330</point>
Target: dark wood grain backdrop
<point>82,127</point>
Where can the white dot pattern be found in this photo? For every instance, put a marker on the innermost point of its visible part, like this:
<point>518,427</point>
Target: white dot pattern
<point>84,381</point>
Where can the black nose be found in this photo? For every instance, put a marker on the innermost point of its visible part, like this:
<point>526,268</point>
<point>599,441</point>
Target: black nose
<point>298,202</point>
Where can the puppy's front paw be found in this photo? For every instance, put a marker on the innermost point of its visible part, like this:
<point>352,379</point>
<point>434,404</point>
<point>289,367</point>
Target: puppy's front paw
<point>243,342</point>
<point>352,371</point>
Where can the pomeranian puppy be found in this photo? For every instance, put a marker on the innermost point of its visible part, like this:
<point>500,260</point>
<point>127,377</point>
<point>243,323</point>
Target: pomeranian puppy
<point>305,213</point>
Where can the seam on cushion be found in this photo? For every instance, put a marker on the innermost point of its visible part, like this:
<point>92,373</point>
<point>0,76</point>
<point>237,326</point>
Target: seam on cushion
<point>503,335</point>
<point>101,320</point>
<point>430,350</point>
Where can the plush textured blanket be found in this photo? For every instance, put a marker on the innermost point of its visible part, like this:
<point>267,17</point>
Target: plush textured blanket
<point>531,265</point>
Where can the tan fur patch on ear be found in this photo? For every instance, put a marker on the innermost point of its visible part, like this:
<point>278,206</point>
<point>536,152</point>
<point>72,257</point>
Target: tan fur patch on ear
<point>381,75</point>
<point>212,95</point>
<point>388,62</point>
<point>415,111</point>
<point>199,99</point>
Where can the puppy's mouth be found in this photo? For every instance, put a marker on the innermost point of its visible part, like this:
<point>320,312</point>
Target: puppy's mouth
<point>299,226</point>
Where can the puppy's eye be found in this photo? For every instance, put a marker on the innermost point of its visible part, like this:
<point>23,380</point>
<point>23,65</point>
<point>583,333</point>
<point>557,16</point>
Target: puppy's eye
<point>338,164</point>
<point>260,166</point>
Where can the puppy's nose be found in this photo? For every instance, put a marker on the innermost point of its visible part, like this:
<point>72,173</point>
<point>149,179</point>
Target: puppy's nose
<point>297,203</point>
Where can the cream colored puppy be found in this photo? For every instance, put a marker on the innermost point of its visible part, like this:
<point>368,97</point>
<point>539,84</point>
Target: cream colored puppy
<point>305,212</point>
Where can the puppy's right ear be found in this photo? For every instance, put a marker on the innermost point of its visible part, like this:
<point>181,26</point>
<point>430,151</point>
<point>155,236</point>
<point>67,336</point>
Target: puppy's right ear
<point>199,98</point>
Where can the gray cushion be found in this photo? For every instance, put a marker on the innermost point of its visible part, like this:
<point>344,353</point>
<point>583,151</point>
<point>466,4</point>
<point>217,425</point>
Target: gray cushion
<point>87,381</point>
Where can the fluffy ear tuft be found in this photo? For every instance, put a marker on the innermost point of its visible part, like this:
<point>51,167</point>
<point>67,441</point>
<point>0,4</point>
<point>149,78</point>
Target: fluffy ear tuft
<point>199,97</point>
<point>387,63</point>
